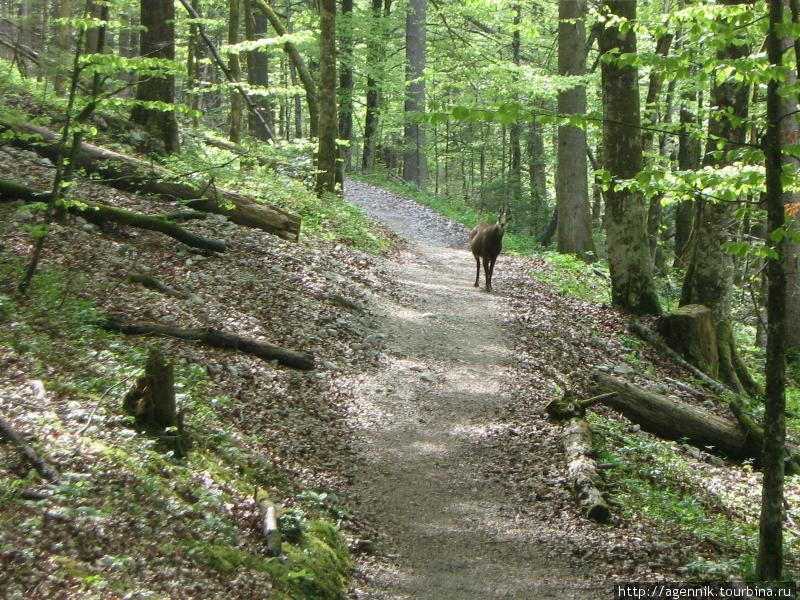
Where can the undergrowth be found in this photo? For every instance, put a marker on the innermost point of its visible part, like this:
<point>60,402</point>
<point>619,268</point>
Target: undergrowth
<point>127,516</point>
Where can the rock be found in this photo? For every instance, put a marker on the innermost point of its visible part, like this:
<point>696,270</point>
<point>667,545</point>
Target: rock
<point>429,377</point>
<point>329,365</point>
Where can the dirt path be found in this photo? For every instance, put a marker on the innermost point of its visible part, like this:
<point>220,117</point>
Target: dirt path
<point>425,420</point>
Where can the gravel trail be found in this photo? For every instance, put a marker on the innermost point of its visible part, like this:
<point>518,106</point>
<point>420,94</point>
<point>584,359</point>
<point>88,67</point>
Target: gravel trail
<point>450,532</point>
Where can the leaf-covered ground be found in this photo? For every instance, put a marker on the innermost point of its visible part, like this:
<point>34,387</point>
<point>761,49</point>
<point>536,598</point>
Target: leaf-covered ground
<point>400,353</point>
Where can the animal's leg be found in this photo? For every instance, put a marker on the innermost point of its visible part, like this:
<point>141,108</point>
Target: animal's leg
<point>478,271</point>
<point>487,274</point>
<point>491,273</point>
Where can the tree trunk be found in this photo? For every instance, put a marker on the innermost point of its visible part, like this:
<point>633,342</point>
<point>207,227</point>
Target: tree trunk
<point>345,89</point>
<point>673,420</point>
<point>688,160</point>
<point>709,276</point>
<point>258,72</point>
<point>769,566</point>
<point>793,206</point>
<point>537,173</point>
<point>237,102</point>
<point>651,120</point>
<point>515,177</point>
<point>157,40</point>
<point>327,152</point>
<point>415,165</point>
<point>574,234</point>
<point>297,60</point>
<point>632,285</point>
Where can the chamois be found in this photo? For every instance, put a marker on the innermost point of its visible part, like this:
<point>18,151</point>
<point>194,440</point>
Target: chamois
<point>486,241</point>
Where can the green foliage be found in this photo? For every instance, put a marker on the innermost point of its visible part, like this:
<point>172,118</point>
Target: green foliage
<point>572,277</point>
<point>653,483</point>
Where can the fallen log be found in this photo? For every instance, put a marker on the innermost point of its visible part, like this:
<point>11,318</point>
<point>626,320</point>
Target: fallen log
<point>674,420</point>
<point>151,283</point>
<point>269,523</point>
<point>8,433</point>
<point>582,470</point>
<point>102,213</point>
<point>133,174</point>
<point>215,338</point>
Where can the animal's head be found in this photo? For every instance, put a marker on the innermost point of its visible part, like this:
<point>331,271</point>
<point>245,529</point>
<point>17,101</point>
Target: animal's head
<point>504,218</point>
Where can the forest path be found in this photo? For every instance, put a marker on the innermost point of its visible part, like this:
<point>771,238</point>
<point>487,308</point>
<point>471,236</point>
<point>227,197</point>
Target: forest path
<point>424,421</point>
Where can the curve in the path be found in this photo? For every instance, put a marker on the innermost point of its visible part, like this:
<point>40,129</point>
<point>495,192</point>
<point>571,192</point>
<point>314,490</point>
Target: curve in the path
<point>425,419</point>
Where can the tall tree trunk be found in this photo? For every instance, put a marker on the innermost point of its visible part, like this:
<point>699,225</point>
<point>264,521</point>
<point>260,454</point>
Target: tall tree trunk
<point>792,246</point>
<point>515,178</point>
<point>157,40</point>
<point>194,48</point>
<point>297,60</point>
<point>651,114</point>
<point>709,276</point>
<point>375,65</point>
<point>537,173</point>
<point>688,160</point>
<point>632,285</point>
<point>415,164</point>
<point>237,102</point>
<point>326,153</point>
<point>258,71</point>
<point>574,233</point>
<point>769,565</point>
<point>62,43</point>
<point>345,88</point>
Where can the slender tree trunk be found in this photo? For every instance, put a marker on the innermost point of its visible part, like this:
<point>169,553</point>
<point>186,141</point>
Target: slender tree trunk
<point>574,234</point>
<point>237,102</point>
<point>709,276</point>
<point>297,60</point>
<point>193,50</point>
<point>415,164</point>
<point>157,40</point>
<point>632,285</point>
<point>688,160</point>
<point>792,246</point>
<point>62,43</point>
<point>537,173</point>
<point>651,120</point>
<point>770,548</point>
<point>375,60</point>
<point>258,71</point>
<point>515,179</point>
<point>345,88</point>
<point>327,153</point>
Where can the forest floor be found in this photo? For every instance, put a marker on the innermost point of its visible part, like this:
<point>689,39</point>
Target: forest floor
<point>421,436</point>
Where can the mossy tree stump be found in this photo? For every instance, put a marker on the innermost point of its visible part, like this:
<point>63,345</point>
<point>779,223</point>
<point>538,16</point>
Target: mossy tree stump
<point>690,331</point>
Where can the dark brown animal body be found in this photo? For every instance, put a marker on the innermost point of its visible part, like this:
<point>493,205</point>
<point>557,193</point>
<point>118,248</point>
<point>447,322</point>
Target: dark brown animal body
<point>486,242</point>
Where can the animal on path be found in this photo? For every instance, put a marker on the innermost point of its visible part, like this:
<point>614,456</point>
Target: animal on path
<point>486,242</point>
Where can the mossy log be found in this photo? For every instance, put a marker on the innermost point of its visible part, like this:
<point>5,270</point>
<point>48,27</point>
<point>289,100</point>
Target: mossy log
<point>102,213</point>
<point>675,420</point>
<point>133,174</point>
<point>268,515</point>
<point>215,338</point>
<point>582,470</point>
<point>691,332</point>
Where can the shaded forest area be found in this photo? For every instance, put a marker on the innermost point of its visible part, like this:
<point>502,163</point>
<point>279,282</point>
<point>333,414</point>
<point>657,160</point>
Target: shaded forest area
<point>652,144</point>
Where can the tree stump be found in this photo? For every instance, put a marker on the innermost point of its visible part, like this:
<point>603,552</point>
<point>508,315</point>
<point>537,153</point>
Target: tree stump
<point>152,402</point>
<point>690,331</point>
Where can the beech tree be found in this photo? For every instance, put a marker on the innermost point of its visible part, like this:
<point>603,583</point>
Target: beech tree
<point>632,286</point>
<point>157,40</point>
<point>415,162</point>
<point>574,234</point>
<point>327,154</point>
